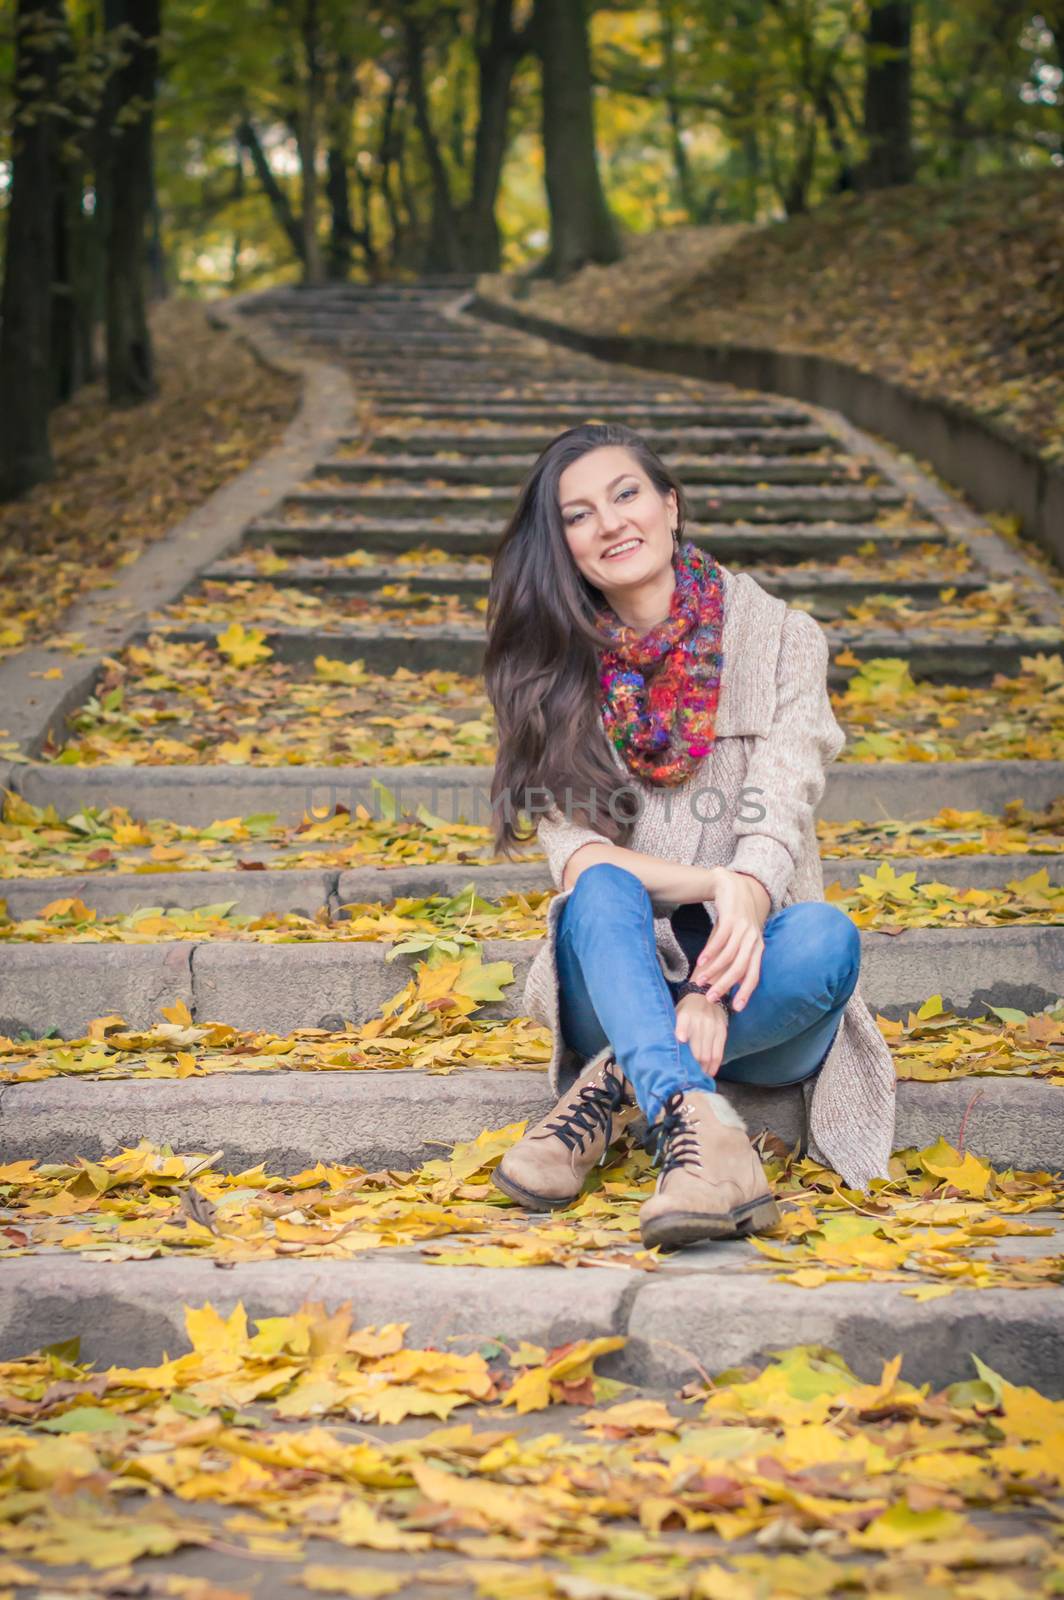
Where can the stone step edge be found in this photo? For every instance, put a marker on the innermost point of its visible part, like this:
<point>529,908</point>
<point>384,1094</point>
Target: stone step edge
<point>283,987</point>
<point>398,1118</point>
<point>299,888</point>
<point>302,574</point>
<point>854,791</point>
<point>130,1312</point>
<point>981,654</point>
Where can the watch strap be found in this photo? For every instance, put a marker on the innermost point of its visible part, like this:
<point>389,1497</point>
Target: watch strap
<point>687,987</point>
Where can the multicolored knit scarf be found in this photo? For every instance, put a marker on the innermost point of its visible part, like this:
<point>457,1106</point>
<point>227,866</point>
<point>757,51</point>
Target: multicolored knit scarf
<point>662,721</point>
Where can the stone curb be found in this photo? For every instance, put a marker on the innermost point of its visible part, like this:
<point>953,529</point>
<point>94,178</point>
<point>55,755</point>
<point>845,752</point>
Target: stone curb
<point>281,987</point>
<point>109,619</point>
<point>199,795</point>
<point>377,1119</point>
<point>304,890</point>
<point>685,1320</point>
<point>964,447</point>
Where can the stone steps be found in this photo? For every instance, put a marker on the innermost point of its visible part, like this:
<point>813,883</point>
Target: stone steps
<point>702,1307</point>
<point>785,468</point>
<point>728,503</point>
<point>936,656</point>
<point>423,377</point>
<point>377,1119</point>
<point>744,540</point>
<point>829,592</point>
<point>282,987</point>
<point>526,443</point>
<point>559,414</point>
<point>305,889</point>
<point>867,791</point>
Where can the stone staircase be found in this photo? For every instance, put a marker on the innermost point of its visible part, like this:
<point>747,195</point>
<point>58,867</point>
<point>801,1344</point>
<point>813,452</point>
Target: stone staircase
<point>451,412</point>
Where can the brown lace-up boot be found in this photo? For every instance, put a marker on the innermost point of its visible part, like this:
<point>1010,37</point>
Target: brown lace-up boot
<point>711,1184</point>
<point>548,1167</point>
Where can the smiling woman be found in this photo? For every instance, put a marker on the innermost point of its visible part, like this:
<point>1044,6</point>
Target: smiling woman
<point>668,724</point>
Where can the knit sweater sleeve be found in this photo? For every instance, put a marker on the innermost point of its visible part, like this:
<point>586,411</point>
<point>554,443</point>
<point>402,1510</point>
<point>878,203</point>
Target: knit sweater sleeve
<point>559,837</point>
<point>787,763</point>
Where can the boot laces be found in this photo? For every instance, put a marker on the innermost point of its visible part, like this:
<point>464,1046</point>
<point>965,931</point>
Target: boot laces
<point>593,1108</point>
<point>674,1139</point>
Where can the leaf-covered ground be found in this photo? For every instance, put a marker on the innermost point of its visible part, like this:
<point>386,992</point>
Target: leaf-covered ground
<point>996,609</point>
<point>429,1025</point>
<point>167,703</point>
<point>311,1455</point>
<point>35,842</point>
<point>953,290</point>
<point>886,902</point>
<point>935,1225</point>
<point>124,476</point>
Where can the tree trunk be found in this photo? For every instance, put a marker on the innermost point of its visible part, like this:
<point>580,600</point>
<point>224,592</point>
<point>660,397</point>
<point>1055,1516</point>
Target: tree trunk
<point>443,250</point>
<point>342,234</point>
<point>684,182</point>
<point>279,202</point>
<point>499,49</point>
<point>130,374</point>
<point>582,227</point>
<point>887,96</point>
<point>313,272</point>
<point>26,385</point>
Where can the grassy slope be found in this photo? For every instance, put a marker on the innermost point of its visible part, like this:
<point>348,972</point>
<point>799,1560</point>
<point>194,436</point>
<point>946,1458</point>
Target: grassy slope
<point>955,290</point>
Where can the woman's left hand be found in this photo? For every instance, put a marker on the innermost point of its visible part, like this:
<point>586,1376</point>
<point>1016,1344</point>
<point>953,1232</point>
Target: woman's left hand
<point>732,953</point>
<point>704,1026</point>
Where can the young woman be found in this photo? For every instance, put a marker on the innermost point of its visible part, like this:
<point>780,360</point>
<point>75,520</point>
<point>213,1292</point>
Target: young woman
<point>668,724</point>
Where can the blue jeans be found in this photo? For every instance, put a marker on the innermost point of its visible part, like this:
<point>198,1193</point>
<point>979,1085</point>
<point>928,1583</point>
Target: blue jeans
<point>614,992</point>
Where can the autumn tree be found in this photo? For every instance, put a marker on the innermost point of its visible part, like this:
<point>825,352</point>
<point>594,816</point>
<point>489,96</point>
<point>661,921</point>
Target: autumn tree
<point>582,228</point>
<point>26,379</point>
<point>126,176</point>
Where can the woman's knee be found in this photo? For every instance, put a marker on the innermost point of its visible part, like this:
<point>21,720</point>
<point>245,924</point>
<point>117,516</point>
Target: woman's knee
<point>831,939</point>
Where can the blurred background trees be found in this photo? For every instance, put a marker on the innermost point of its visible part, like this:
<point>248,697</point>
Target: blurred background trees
<point>214,149</point>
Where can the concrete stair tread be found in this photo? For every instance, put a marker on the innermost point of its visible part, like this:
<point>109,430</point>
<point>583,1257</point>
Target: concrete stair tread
<point>713,1314</point>
<point>400,1117</point>
<point>283,987</point>
<point>321,572</point>
<point>768,539</point>
<point>198,794</point>
<point>283,888</point>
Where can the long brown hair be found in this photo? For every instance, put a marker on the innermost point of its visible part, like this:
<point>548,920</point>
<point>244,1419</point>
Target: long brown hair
<point>540,664</point>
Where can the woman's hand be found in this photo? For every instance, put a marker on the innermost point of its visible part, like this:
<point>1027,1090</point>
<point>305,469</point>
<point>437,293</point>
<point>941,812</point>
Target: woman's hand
<point>703,1024</point>
<point>732,953</point>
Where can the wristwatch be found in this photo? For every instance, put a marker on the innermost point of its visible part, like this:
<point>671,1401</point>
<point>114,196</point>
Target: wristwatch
<point>687,987</point>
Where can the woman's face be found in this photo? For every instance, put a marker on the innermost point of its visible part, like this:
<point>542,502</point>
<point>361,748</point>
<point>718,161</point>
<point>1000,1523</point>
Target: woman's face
<point>618,527</point>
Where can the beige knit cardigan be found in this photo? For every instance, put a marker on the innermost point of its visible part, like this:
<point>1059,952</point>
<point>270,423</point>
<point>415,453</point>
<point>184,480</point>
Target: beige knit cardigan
<point>775,732</point>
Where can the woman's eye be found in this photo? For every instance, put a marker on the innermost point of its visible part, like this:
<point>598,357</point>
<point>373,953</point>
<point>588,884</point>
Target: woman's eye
<point>572,521</point>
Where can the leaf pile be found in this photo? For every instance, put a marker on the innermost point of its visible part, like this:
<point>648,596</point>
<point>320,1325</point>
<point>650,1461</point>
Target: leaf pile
<point>889,903</point>
<point>418,560</point>
<point>889,717</point>
<point>164,704</point>
<point>932,1226</point>
<point>428,1026</point>
<point>124,476</point>
<point>999,608</point>
<point>391,604</point>
<point>795,1480</point>
<point>879,561</point>
<point>36,842</point>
